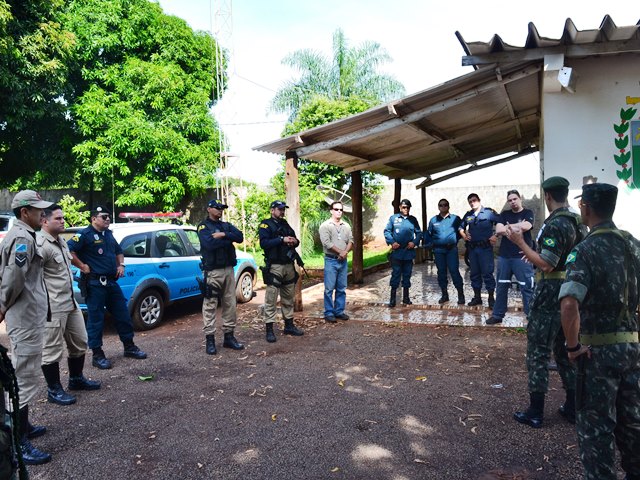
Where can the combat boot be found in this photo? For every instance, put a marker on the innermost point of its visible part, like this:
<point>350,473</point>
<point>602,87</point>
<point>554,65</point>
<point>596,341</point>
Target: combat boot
<point>231,342</point>
<point>568,410</point>
<point>445,297</point>
<point>291,329</point>
<point>460,297</point>
<point>131,350</point>
<point>77,381</point>
<point>405,296</point>
<point>55,392</point>
<point>271,338</point>
<point>534,415</point>
<point>99,360</point>
<point>477,299</point>
<point>392,300</point>
<point>210,347</point>
<point>30,454</point>
<point>492,300</point>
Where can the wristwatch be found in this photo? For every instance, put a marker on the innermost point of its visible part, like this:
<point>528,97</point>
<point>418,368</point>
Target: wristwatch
<point>574,349</point>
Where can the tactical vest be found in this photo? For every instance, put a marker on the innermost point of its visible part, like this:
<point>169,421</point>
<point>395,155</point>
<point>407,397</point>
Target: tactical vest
<point>220,257</point>
<point>280,253</point>
<point>581,233</point>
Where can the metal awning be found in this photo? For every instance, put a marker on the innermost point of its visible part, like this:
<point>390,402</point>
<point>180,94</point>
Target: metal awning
<point>492,111</point>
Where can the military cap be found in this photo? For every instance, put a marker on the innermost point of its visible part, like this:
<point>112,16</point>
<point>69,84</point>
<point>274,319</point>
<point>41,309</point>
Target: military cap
<point>279,204</point>
<point>217,204</point>
<point>406,202</point>
<point>599,194</point>
<point>100,210</point>
<point>29,198</point>
<point>553,183</point>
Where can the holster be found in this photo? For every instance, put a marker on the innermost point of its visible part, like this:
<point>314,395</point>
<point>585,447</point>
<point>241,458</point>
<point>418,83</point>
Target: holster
<point>83,284</point>
<point>207,290</point>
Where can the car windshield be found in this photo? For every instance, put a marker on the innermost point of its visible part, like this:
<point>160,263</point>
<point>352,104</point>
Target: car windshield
<point>4,223</point>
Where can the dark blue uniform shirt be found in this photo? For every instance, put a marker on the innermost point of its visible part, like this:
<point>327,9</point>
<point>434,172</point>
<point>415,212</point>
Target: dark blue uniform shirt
<point>403,230</point>
<point>96,249</point>
<point>442,232</point>
<point>480,225</point>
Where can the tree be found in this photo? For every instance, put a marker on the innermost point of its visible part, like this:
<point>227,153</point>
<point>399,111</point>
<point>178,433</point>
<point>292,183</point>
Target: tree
<point>143,89</point>
<point>34,53</point>
<point>350,73</point>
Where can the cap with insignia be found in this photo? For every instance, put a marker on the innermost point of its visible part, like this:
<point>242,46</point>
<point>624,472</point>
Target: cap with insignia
<point>279,204</point>
<point>29,198</point>
<point>599,194</point>
<point>217,204</point>
<point>553,183</point>
<point>100,210</point>
<point>405,202</point>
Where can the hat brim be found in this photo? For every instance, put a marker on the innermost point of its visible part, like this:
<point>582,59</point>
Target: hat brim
<point>42,204</point>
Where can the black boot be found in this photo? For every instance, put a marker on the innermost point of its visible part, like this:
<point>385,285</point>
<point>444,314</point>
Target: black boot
<point>291,329</point>
<point>231,342</point>
<point>100,360</point>
<point>77,381</point>
<point>131,350</point>
<point>271,337</point>
<point>534,415</point>
<point>405,296</point>
<point>55,392</point>
<point>492,300</point>
<point>392,300</point>
<point>477,299</point>
<point>445,297</point>
<point>211,345</point>
<point>568,410</point>
<point>460,297</point>
<point>30,454</point>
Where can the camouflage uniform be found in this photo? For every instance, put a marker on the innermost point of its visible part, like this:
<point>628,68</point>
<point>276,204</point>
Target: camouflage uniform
<point>556,238</point>
<point>603,274</point>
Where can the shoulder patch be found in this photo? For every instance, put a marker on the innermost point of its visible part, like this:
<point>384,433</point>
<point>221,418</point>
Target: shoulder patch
<point>75,238</point>
<point>21,248</point>
<point>571,257</point>
<point>200,227</point>
<point>264,225</point>
<point>549,242</point>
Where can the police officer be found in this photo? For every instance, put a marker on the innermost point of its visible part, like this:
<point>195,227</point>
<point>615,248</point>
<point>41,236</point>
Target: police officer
<point>442,236</point>
<point>278,240</point>
<point>477,230</point>
<point>67,322</point>
<point>403,234</point>
<point>599,302</point>
<point>99,256</point>
<point>23,305</point>
<point>218,259</point>
<point>557,236</point>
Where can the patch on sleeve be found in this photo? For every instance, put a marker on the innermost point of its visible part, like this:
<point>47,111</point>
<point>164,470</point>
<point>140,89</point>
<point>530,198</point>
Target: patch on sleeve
<point>21,248</point>
<point>549,242</point>
<point>264,225</point>
<point>571,257</point>
<point>200,227</point>
<point>75,238</point>
<point>21,254</point>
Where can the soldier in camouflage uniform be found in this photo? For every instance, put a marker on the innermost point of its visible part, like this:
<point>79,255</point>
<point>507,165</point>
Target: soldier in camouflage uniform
<point>599,299</point>
<point>557,237</point>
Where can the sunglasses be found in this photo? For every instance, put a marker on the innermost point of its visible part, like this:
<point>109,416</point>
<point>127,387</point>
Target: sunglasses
<point>104,216</point>
<point>337,209</point>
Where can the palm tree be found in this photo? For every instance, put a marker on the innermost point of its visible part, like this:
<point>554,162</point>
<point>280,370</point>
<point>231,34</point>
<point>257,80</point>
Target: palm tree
<point>351,73</point>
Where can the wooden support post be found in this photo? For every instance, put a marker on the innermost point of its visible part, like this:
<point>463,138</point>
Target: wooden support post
<point>292,190</point>
<point>357,263</point>
<point>397,192</point>
<point>423,200</point>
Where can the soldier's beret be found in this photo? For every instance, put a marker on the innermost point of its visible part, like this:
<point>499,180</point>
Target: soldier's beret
<point>553,183</point>
<point>406,202</point>
<point>217,204</point>
<point>599,194</point>
<point>279,204</point>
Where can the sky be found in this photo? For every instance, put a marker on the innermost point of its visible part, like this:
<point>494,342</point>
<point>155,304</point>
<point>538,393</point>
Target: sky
<point>419,35</point>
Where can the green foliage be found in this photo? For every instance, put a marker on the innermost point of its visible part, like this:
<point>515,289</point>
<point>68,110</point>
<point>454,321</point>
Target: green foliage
<point>144,89</point>
<point>75,213</point>
<point>34,53</point>
<point>251,206</point>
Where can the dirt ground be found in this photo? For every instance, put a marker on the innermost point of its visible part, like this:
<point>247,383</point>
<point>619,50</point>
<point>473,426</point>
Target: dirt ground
<point>355,400</point>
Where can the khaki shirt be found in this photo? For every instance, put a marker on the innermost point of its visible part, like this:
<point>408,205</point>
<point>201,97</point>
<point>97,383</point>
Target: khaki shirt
<point>23,298</point>
<point>57,272</point>
<point>335,235</point>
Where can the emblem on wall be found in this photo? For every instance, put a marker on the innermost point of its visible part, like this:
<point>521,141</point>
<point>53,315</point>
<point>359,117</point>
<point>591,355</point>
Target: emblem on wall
<point>627,142</point>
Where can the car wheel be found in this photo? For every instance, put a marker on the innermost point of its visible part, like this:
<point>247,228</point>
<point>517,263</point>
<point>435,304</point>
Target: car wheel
<point>148,310</point>
<point>244,287</point>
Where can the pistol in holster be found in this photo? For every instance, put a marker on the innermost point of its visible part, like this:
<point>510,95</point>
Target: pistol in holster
<point>207,290</point>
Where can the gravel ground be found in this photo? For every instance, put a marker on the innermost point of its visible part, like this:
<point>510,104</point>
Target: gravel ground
<point>355,400</point>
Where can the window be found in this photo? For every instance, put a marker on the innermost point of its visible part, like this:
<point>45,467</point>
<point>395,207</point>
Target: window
<point>169,244</point>
<point>192,236</point>
<point>136,245</point>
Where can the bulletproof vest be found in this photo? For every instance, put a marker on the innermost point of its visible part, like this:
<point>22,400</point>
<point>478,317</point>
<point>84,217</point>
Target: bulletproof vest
<point>280,253</point>
<point>220,257</point>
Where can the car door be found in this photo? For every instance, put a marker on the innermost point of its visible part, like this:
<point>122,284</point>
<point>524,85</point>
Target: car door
<point>138,260</point>
<point>176,263</point>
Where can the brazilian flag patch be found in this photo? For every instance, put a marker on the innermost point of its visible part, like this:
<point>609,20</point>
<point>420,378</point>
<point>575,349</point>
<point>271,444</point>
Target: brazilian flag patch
<point>571,257</point>
<point>549,242</point>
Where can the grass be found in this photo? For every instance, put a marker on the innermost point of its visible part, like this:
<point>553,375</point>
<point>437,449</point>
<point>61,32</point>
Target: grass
<point>370,258</point>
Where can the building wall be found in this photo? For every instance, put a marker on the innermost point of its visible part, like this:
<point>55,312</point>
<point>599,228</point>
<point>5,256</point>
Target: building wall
<point>577,132</point>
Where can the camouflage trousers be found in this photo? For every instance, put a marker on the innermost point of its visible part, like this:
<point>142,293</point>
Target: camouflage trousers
<point>545,335</point>
<point>609,411</point>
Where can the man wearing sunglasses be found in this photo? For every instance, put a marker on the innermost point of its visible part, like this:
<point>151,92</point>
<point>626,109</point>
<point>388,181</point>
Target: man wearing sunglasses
<point>98,256</point>
<point>337,242</point>
<point>442,236</point>
<point>403,234</point>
